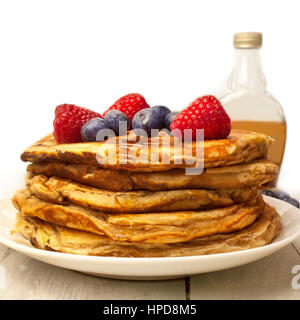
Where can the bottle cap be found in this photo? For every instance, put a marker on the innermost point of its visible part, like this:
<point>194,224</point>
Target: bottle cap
<point>247,40</point>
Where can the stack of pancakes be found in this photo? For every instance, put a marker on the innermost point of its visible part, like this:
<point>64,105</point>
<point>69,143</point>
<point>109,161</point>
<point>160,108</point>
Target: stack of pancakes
<point>75,203</point>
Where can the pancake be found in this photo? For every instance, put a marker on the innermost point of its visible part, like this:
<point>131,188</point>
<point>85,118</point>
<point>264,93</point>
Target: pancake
<point>164,227</point>
<point>160,153</point>
<point>45,235</point>
<point>254,173</point>
<point>63,191</point>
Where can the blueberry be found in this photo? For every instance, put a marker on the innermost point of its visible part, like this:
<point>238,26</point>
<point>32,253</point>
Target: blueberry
<point>267,192</point>
<point>113,118</point>
<point>147,119</point>
<point>293,202</point>
<point>286,198</point>
<point>282,196</point>
<point>169,119</point>
<point>162,110</point>
<point>90,129</point>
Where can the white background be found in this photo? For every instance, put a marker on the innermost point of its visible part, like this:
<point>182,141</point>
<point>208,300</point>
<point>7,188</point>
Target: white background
<point>92,52</point>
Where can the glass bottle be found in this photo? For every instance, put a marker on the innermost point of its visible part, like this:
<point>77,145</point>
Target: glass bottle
<point>248,103</point>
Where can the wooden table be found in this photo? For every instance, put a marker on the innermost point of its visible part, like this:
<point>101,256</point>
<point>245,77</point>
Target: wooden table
<point>268,278</point>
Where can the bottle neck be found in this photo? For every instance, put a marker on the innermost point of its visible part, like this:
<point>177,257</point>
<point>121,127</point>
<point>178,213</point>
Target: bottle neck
<point>247,72</point>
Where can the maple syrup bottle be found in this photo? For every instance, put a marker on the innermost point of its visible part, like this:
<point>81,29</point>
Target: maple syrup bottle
<point>248,103</point>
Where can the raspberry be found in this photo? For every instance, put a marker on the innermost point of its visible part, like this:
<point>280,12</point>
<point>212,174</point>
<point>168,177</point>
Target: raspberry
<point>68,122</point>
<point>129,104</point>
<point>204,113</point>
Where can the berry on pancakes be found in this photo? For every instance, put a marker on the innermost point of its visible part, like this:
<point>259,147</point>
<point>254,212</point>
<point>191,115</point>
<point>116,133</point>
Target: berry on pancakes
<point>205,113</point>
<point>68,122</point>
<point>129,104</point>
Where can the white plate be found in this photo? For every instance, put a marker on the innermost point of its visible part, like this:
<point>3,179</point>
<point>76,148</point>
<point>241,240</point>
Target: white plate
<point>151,268</point>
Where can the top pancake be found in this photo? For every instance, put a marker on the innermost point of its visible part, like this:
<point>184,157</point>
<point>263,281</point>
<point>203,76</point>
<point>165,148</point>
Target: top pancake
<point>241,146</point>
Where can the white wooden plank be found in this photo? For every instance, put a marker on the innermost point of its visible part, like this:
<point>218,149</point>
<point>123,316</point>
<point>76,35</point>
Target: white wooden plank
<point>268,278</point>
<point>27,278</point>
<point>297,244</point>
<point>4,251</point>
